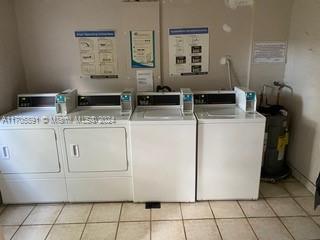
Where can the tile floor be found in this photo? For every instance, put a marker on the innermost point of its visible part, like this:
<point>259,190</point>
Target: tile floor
<point>284,212</point>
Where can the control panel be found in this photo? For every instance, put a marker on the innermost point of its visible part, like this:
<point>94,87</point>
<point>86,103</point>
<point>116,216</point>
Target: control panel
<point>61,99</point>
<point>66,101</point>
<point>187,103</point>
<point>126,101</point>
<point>214,98</point>
<point>246,99</point>
<point>99,100</point>
<point>36,101</point>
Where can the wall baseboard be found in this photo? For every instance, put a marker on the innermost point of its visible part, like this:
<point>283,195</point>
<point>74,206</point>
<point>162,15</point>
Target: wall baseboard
<point>305,181</point>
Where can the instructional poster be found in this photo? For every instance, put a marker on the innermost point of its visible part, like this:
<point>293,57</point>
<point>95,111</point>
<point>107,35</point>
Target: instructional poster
<point>145,80</point>
<point>142,49</point>
<point>98,53</point>
<point>188,51</point>
<point>270,52</point>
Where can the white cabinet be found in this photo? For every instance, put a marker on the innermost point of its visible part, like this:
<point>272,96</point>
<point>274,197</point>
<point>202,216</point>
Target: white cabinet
<point>28,151</point>
<point>229,160</point>
<point>96,149</point>
<point>164,162</point>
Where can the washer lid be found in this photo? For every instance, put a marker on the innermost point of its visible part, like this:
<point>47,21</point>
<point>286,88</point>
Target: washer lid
<point>167,114</point>
<point>226,113</point>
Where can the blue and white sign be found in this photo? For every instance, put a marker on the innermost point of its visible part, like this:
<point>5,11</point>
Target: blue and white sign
<point>142,49</point>
<point>95,34</point>
<point>98,53</point>
<point>188,31</point>
<point>188,51</point>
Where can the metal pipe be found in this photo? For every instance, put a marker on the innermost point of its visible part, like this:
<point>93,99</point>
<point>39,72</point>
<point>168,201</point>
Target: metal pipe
<point>228,62</point>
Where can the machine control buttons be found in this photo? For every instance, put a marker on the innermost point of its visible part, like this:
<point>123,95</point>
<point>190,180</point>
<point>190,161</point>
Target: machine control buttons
<point>36,101</point>
<point>125,98</point>
<point>188,98</point>
<point>60,99</point>
<point>251,96</point>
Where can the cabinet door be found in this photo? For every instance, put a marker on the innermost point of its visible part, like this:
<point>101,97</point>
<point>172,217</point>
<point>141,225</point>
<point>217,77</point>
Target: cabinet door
<point>229,160</point>
<point>28,151</point>
<point>96,149</point>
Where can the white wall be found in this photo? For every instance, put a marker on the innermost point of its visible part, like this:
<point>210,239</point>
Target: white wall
<point>51,57</point>
<point>271,23</point>
<point>51,53</point>
<point>12,79</point>
<point>212,14</point>
<point>303,73</point>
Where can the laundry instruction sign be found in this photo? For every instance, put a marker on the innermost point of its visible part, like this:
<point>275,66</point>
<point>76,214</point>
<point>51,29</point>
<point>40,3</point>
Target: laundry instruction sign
<point>98,56</point>
<point>188,51</point>
<point>142,49</point>
<point>270,52</point>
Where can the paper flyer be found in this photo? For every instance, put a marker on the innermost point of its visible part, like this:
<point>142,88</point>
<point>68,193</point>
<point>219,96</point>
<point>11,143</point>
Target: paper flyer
<point>188,51</point>
<point>98,53</point>
<point>144,80</point>
<point>270,52</point>
<point>142,49</point>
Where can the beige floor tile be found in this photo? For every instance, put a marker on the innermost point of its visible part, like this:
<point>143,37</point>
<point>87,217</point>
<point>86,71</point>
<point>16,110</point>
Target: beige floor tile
<point>296,189</point>
<point>38,232</point>
<point>15,215</point>
<point>202,229</point>
<point>44,214</point>
<point>66,232</point>
<point>2,207</point>
<point>285,207</point>
<point>289,179</point>
<point>74,213</point>
<point>261,196</point>
<point>165,230</point>
<point>269,229</point>
<point>134,212</point>
<point>134,231</point>
<point>256,208</point>
<point>99,231</point>
<point>105,212</point>
<point>168,211</point>
<point>307,203</point>
<point>196,210</point>
<point>8,231</point>
<point>238,229</point>
<point>317,220</point>
<point>273,190</point>
<point>226,209</point>
<point>302,228</point>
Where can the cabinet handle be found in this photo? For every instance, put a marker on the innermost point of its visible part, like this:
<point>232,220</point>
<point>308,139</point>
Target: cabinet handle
<point>75,150</point>
<point>5,152</point>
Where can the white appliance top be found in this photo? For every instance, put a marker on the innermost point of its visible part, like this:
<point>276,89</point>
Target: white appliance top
<point>225,113</point>
<point>34,112</point>
<point>85,114</point>
<point>161,114</point>
<point>29,117</point>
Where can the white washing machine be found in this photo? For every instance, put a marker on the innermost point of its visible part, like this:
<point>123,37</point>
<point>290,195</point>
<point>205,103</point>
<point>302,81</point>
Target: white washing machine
<point>97,148</point>
<point>163,141</point>
<point>230,146</point>
<point>30,153</point>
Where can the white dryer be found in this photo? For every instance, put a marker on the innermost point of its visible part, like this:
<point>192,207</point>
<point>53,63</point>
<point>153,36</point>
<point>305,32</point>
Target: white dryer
<point>230,146</point>
<point>30,153</point>
<point>163,141</point>
<point>97,148</point>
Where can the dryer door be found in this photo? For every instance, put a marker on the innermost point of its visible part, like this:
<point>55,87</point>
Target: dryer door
<point>28,151</point>
<point>96,149</point>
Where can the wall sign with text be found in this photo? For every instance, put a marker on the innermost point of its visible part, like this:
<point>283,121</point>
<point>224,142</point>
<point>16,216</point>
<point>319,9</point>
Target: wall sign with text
<point>188,51</point>
<point>142,49</point>
<point>98,53</point>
